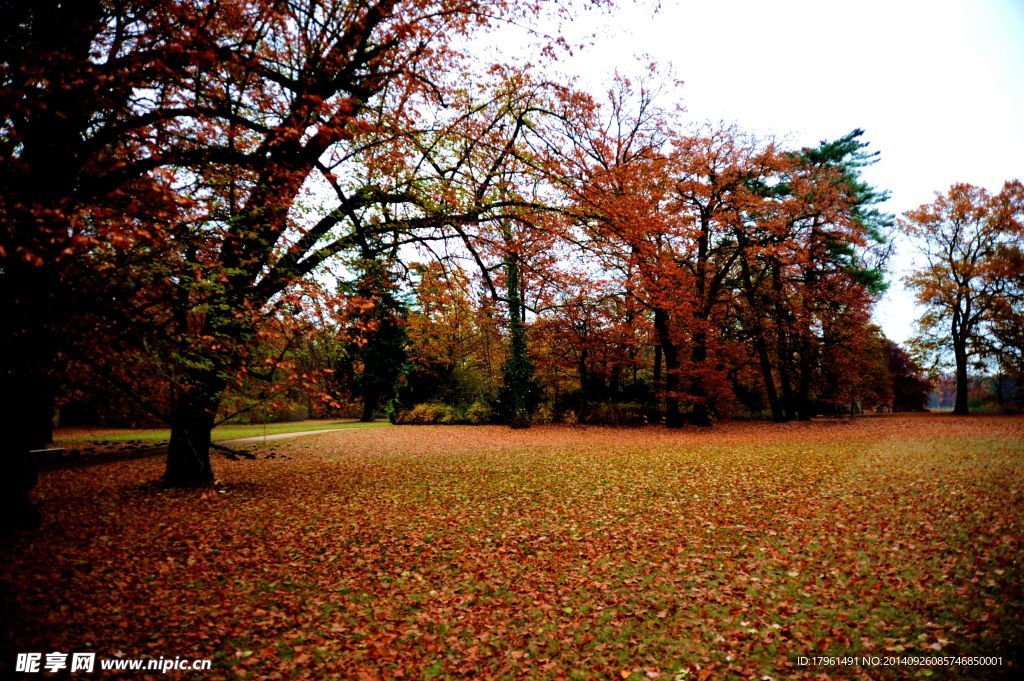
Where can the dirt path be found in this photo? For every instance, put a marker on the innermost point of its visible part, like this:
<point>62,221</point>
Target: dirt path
<point>276,436</point>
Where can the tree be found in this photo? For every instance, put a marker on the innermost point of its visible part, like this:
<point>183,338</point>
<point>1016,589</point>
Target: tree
<point>961,236</point>
<point>328,94</point>
<point>487,169</point>
<point>81,102</point>
<point>814,256</point>
<point>455,348</point>
<point>374,326</point>
<point>910,388</point>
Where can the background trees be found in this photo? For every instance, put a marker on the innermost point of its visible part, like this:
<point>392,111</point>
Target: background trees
<point>600,257</point>
<point>970,240</point>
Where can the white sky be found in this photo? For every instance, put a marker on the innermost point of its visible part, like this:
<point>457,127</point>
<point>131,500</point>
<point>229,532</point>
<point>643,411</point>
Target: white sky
<point>938,85</point>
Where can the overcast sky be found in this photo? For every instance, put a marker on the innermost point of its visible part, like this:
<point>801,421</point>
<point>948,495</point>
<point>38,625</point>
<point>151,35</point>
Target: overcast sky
<point>938,85</point>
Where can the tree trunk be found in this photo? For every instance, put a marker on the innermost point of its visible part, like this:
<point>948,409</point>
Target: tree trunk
<point>700,415</point>
<point>27,425</point>
<point>188,455</point>
<point>518,370</point>
<point>655,412</point>
<point>673,417</point>
<point>785,356</point>
<point>769,379</point>
<point>761,346</point>
<point>805,409</point>
<point>28,352</point>
<point>370,400</point>
<point>960,353</point>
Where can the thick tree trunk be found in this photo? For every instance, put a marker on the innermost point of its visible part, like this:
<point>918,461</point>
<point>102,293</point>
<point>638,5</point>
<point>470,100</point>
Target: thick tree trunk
<point>28,352</point>
<point>960,354</point>
<point>370,400</point>
<point>27,425</point>
<point>38,198</point>
<point>673,416</point>
<point>188,455</point>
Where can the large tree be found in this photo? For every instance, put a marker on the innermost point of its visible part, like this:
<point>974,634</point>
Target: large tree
<point>306,94</point>
<point>81,105</point>
<point>234,110</point>
<point>965,237</point>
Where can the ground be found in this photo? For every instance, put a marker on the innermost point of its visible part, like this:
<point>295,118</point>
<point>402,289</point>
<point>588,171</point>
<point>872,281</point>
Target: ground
<point>429,551</point>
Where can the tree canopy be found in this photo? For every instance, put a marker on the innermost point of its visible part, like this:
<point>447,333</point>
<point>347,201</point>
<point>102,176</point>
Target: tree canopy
<point>214,207</point>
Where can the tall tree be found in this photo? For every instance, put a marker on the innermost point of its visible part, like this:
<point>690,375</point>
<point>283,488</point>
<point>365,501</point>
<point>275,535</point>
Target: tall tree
<point>961,236</point>
<point>328,93</point>
<point>488,173</point>
<point>374,327</point>
<point>81,108</point>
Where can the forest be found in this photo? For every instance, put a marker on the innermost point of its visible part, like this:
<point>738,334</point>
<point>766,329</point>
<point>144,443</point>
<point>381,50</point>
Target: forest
<point>252,210</point>
<point>611,385</point>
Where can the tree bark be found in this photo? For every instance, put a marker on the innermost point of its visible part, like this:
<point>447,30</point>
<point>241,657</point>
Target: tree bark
<point>370,400</point>
<point>195,411</point>
<point>518,370</point>
<point>673,416</point>
<point>39,184</point>
<point>656,385</point>
<point>760,345</point>
<point>805,409</point>
<point>785,356</point>
<point>700,414</point>
<point>27,383</point>
<point>960,353</point>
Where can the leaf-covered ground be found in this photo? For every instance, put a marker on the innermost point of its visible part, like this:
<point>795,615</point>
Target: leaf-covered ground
<point>422,552</point>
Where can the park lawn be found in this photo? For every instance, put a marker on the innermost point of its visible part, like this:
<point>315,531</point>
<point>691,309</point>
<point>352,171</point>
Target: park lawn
<point>453,552</point>
<point>220,433</point>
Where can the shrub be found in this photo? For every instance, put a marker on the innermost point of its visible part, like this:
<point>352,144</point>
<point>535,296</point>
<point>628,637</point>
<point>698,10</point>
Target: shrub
<point>437,412</point>
<point>394,411</point>
<point>424,413</point>
<point>479,412</point>
<point>428,413</point>
<point>545,414</point>
<point>448,414</point>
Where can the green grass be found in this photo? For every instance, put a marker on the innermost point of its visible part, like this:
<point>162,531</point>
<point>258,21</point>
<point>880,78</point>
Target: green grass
<point>220,433</point>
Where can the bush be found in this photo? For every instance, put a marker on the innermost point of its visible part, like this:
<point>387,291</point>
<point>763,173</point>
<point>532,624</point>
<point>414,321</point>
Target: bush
<point>448,415</point>
<point>479,412</point>
<point>545,414</point>
<point>428,413</point>
<point>393,410</point>
<point>425,413</point>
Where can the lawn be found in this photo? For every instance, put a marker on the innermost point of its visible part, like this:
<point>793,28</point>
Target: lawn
<point>74,436</point>
<point>431,551</point>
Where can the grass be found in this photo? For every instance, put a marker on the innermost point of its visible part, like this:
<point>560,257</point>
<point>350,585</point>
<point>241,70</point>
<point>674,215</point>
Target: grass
<point>453,552</point>
<point>220,433</point>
